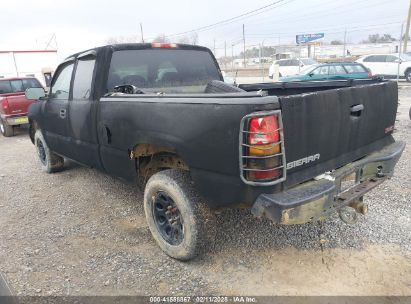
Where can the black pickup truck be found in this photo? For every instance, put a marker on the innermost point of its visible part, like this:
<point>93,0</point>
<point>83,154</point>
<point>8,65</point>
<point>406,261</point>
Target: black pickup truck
<point>161,116</point>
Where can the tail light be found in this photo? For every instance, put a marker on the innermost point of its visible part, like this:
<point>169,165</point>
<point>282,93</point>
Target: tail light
<point>369,73</point>
<point>262,157</point>
<point>4,103</point>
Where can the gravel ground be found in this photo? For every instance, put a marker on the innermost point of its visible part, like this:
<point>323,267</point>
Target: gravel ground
<point>80,232</point>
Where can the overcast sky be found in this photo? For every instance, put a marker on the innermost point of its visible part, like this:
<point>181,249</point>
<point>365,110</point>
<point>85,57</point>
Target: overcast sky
<point>79,25</point>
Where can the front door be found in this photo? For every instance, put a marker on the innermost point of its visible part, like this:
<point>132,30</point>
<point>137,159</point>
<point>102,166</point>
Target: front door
<point>82,121</point>
<point>55,123</point>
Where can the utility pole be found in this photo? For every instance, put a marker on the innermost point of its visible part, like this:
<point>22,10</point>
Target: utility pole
<point>225,55</point>
<point>399,55</point>
<point>244,44</point>
<point>141,30</point>
<point>407,29</point>
<point>345,42</point>
<point>232,56</point>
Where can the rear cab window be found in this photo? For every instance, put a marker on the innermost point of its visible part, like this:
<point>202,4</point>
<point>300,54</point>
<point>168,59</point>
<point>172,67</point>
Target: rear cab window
<point>18,85</point>
<point>163,70</point>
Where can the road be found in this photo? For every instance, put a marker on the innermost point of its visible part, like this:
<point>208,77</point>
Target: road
<point>81,232</point>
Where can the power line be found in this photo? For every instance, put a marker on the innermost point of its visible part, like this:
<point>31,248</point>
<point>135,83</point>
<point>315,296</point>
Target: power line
<point>206,27</point>
<point>331,31</point>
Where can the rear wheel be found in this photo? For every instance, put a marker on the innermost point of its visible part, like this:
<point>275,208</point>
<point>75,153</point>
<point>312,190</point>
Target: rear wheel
<point>179,220</point>
<point>50,162</point>
<point>6,129</point>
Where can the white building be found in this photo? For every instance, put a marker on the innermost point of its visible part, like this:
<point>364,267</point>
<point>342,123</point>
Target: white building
<point>29,63</point>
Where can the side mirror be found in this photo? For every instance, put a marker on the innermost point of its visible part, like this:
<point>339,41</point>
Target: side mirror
<point>35,93</point>
<point>311,74</point>
<point>398,60</point>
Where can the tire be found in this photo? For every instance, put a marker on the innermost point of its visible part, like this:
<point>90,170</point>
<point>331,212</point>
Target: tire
<point>408,75</point>
<point>6,129</point>
<point>194,224</point>
<point>50,162</point>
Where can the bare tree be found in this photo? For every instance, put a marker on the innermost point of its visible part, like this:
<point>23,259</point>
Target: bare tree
<point>184,40</point>
<point>161,38</point>
<point>194,38</point>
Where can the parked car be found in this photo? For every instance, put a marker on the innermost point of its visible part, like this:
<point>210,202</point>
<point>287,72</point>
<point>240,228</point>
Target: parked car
<point>199,144</point>
<point>13,103</point>
<point>331,71</point>
<point>387,65</point>
<point>289,67</point>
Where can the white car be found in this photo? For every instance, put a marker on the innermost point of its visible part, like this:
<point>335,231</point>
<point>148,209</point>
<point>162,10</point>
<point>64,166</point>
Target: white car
<point>387,65</point>
<point>289,67</point>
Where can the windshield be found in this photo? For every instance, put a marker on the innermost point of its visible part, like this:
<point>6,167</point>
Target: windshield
<point>308,69</point>
<point>163,70</point>
<point>405,57</point>
<point>308,61</point>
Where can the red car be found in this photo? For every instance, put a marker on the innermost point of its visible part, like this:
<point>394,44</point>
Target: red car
<point>13,104</point>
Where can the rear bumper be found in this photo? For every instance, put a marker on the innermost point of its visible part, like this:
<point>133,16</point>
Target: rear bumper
<point>317,199</point>
<point>16,120</point>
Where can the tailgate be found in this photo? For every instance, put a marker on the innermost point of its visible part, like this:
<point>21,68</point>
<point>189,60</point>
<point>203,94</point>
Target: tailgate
<point>328,129</point>
<point>18,104</point>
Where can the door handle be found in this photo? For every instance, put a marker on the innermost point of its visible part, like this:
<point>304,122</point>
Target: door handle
<point>63,113</point>
<point>356,110</point>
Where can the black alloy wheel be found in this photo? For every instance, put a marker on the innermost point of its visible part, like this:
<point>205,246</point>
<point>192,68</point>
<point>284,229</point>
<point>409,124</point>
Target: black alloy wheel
<point>167,218</point>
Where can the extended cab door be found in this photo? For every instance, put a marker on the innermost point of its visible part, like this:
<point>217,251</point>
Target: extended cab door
<point>55,111</point>
<point>82,121</point>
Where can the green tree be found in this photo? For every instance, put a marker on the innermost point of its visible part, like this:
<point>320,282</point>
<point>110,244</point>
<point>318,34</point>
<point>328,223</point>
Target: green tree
<point>377,38</point>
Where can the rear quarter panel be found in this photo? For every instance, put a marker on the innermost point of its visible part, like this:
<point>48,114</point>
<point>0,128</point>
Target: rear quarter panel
<point>204,134</point>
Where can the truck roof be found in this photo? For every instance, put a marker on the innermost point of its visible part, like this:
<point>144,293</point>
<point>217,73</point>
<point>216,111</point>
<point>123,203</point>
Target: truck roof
<point>140,46</point>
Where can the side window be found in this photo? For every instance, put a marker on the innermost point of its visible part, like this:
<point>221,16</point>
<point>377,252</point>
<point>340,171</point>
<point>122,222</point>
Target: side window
<point>321,70</point>
<point>16,85</point>
<point>390,58</point>
<point>83,78</point>
<point>336,70</point>
<point>61,86</point>
<point>369,59</point>
<point>282,62</point>
<point>294,62</point>
<point>380,58</point>
<point>354,68</point>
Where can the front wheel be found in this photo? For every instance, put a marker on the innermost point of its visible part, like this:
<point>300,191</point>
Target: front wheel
<point>179,220</point>
<point>50,162</point>
<point>6,129</point>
